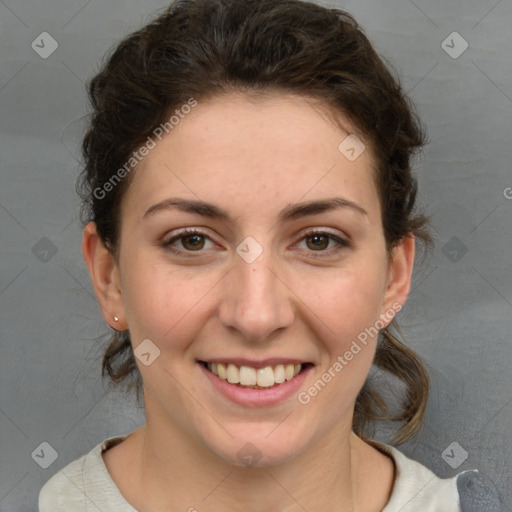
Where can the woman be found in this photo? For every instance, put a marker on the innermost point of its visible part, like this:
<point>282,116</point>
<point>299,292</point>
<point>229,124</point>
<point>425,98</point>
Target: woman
<point>250,232</point>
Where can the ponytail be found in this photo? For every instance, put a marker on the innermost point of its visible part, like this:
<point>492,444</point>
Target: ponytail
<point>395,358</point>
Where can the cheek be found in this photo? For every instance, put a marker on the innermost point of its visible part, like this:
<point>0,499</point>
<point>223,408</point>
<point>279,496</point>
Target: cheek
<point>347,309</point>
<point>163,305</point>
<point>347,306</point>
<point>346,302</point>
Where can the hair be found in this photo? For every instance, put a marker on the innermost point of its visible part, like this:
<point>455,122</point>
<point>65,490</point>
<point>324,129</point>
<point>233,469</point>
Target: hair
<point>205,48</point>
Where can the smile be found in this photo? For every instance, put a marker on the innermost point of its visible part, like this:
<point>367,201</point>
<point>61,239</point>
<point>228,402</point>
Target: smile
<point>256,383</point>
<point>247,376</point>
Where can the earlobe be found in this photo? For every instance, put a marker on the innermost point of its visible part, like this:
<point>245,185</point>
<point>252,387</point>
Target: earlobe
<point>399,275</point>
<point>104,274</point>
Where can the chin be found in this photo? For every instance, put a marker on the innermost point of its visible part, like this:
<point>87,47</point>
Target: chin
<point>257,451</point>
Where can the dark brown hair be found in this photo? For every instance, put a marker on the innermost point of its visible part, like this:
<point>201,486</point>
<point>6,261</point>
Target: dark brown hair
<point>202,48</point>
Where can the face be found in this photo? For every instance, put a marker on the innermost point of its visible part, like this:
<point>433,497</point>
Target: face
<point>253,279</point>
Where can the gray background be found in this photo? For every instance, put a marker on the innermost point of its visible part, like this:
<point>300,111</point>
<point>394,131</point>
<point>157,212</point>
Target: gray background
<point>459,313</point>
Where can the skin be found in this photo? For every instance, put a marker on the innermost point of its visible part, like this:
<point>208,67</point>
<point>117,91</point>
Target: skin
<point>252,157</point>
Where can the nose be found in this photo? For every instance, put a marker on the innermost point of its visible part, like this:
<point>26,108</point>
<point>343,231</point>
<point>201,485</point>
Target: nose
<point>256,301</point>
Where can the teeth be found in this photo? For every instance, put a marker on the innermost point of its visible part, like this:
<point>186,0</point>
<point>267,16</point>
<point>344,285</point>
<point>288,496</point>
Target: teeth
<point>252,377</point>
<point>289,369</point>
<point>233,374</point>
<point>265,377</point>
<point>221,369</point>
<point>247,376</point>
<point>279,377</point>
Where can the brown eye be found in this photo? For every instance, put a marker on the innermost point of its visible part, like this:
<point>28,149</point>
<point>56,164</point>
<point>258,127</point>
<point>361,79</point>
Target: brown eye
<point>191,240</point>
<point>318,241</point>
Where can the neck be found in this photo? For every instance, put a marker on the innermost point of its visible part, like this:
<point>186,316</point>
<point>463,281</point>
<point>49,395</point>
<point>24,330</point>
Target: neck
<point>179,473</point>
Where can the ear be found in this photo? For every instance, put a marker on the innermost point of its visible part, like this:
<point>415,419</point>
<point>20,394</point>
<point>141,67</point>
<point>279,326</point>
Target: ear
<point>104,274</point>
<point>399,277</point>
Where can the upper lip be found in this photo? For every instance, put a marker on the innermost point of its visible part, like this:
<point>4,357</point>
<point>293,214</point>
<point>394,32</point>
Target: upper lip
<point>260,363</point>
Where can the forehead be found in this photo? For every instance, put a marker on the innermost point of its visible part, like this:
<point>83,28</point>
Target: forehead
<point>276,148</point>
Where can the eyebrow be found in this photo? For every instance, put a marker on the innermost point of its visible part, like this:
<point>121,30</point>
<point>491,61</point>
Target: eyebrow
<point>289,213</point>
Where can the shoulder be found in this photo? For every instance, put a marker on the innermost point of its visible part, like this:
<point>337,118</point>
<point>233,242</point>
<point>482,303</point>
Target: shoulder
<point>417,488</point>
<point>477,493</point>
<point>84,484</point>
<point>66,489</point>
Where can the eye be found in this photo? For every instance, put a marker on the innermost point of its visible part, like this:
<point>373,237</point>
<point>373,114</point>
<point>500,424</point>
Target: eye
<point>318,241</point>
<point>192,240</point>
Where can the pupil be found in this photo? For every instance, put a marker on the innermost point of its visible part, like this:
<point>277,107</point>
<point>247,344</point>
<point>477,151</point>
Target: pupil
<point>316,238</point>
<point>196,237</point>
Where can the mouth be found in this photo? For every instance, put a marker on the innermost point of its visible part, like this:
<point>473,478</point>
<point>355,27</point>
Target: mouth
<point>251,377</point>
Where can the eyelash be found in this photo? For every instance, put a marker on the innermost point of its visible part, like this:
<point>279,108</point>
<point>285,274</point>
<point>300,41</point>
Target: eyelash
<point>343,244</point>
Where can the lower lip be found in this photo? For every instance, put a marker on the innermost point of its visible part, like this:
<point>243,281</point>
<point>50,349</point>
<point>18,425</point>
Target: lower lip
<point>257,397</point>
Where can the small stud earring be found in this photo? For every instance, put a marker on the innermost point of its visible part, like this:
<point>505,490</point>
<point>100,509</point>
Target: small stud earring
<point>116,319</point>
